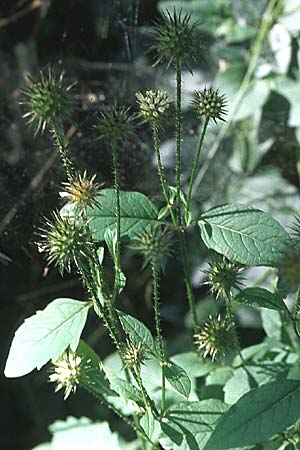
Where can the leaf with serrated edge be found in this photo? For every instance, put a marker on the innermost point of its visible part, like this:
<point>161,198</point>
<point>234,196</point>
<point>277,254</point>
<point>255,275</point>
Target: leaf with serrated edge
<point>261,298</point>
<point>243,234</point>
<point>257,416</point>
<point>46,335</point>
<point>178,379</point>
<point>137,332</point>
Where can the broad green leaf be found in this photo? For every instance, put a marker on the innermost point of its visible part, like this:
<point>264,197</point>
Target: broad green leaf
<point>257,416</point>
<point>125,390</point>
<point>289,88</point>
<point>178,379</point>
<point>271,321</point>
<point>138,332</point>
<point>138,214</point>
<point>46,335</point>
<point>243,234</point>
<point>261,298</point>
<point>251,376</point>
<point>150,425</point>
<point>193,364</point>
<point>219,376</point>
<point>189,425</point>
<point>79,434</point>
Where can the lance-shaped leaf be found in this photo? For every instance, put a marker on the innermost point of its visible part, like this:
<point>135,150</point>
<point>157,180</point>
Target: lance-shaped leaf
<point>243,234</point>
<point>138,332</point>
<point>178,379</point>
<point>261,298</point>
<point>46,335</point>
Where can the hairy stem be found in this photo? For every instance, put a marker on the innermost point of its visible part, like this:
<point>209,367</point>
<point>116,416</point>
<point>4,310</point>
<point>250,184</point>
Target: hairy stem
<point>178,138</point>
<point>60,142</point>
<point>118,215</point>
<point>196,164</point>
<point>187,280</point>
<point>162,358</point>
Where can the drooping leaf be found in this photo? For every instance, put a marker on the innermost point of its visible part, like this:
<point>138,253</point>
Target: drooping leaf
<point>261,298</point>
<point>46,335</point>
<point>189,425</point>
<point>138,214</point>
<point>178,378</point>
<point>138,332</point>
<point>257,416</point>
<point>243,234</point>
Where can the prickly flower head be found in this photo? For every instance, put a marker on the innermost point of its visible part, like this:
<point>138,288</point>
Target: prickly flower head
<point>66,372</point>
<point>153,245</point>
<point>133,354</point>
<point>177,39</point>
<point>48,101</point>
<point>217,337</point>
<point>114,124</point>
<point>153,104</point>
<point>210,103</point>
<point>65,240</point>
<point>82,191</point>
<point>223,276</point>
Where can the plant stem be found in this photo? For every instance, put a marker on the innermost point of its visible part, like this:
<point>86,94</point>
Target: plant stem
<point>60,142</point>
<point>187,280</point>
<point>118,216</point>
<point>147,400</point>
<point>178,138</point>
<point>161,174</point>
<point>162,358</point>
<point>195,165</point>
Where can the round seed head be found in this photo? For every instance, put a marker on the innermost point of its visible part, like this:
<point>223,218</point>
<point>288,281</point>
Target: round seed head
<point>210,103</point>
<point>82,191</point>
<point>66,372</point>
<point>217,337</point>
<point>223,276</point>
<point>153,245</point>
<point>153,104</point>
<point>64,240</point>
<point>115,124</point>
<point>48,101</point>
<point>177,39</point>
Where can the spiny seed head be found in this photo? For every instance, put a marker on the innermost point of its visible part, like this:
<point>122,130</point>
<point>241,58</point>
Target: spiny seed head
<point>210,103</point>
<point>153,104</point>
<point>115,124</point>
<point>82,191</point>
<point>66,372</point>
<point>177,39</point>
<point>133,355</point>
<point>48,101</point>
<point>153,245</point>
<point>64,240</point>
<point>217,337</point>
<point>223,276</point>
<point>289,269</point>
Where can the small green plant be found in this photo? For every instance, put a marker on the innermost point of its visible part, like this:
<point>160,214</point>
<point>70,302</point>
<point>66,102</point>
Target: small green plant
<point>256,403</point>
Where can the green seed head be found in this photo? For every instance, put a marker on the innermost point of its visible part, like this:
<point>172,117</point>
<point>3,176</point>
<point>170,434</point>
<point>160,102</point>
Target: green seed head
<point>153,245</point>
<point>210,103</point>
<point>114,124</point>
<point>223,276</point>
<point>177,40</point>
<point>48,101</point>
<point>82,191</point>
<point>153,104</point>
<point>217,337</point>
<point>64,240</point>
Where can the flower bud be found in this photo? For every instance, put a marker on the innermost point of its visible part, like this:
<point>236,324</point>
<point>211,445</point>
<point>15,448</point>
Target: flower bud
<point>115,124</point>
<point>210,103</point>
<point>153,104</point>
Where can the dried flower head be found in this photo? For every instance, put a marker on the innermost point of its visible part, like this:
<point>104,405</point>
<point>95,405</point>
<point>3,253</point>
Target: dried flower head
<point>153,245</point>
<point>64,240</point>
<point>217,337</point>
<point>223,276</point>
<point>82,191</point>
<point>115,124</point>
<point>48,101</point>
<point>177,39</point>
<point>210,103</point>
<point>153,104</point>
<point>66,372</point>
<point>133,354</point>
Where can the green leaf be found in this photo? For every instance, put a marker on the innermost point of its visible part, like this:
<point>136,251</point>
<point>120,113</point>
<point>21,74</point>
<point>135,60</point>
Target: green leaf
<point>257,416</point>
<point>271,321</point>
<point>178,378</point>
<point>125,390</point>
<point>138,332</point>
<point>189,425</point>
<point>261,298</point>
<point>193,364</point>
<point>243,234</point>
<point>46,335</point>
<point>150,425</point>
<point>138,214</point>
